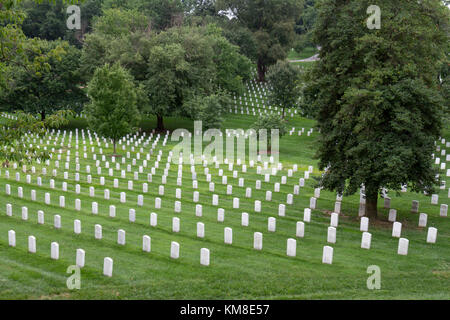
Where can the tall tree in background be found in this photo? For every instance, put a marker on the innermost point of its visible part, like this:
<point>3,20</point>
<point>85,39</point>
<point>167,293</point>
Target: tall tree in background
<point>172,66</point>
<point>305,25</point>
<point>118,36</point>
<point>272,23</point>
<point>376,91</point>
<point>191,62</point>
<point>112,112</point>
<point>162,14</point>
<point>47,19</point>
<point>284,79</point>
<point>53,87</point>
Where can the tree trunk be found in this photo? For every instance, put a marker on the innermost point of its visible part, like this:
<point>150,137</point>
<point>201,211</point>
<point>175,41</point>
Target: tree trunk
<point>160,123</point>
<point>114,146</point>
<point>371,203</point>
<point>42,115</point>
<point>261,71</point>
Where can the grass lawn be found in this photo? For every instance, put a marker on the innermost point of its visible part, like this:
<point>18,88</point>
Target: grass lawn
<point>236,271</point>
<point>304,54</point>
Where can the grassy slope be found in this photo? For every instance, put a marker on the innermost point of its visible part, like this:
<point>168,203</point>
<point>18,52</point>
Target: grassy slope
<point>236,271</point>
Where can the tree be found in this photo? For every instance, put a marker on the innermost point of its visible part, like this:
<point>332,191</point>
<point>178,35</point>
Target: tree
<point>112,112</point>
<point>14,129</point>
<point>376,92</point>
<point>163,14</point>
<point>172,66</point>
<point>271,23</point>
<point>284,77</point>
<point>188,62</point>
<point>50,88</point>
<point>209,109</point>
<point>14,44</point>
<point>269,122</point>
<point>200,7</point>
<point>118,36</point>
<point>305,25</point>
<point>12,38</point>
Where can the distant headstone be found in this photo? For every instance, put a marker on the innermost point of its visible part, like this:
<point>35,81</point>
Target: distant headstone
<point>271,224</point>
<point>431,235</point>
<point>444,209</point>
<point>146,243</point>
<point>204,257</point>
<point>291,247</point>
<point>423,220</point>
<point>153,219</point>
<point>331,236</point>
<point>57,221</point>
<point>364,224</point>
<point>307,215</point>
<point>11,238</point>
<point>396,229</point>
<point>80,258</point>
<point>257,241</point>
<point>121,237</point>
<point>327,256</point>
<point>300,229</point>
<point>312,203</point>
<point>334,221</point>
<point>257,206</point>
<point>77,226</point>
<point>337,207</point>
<point>54,251</point>
<point>107,267</point>
<point>228,235</point>
<point>174,250</point>
<point>392,215</point>
<point>366,240</point>
<point>200,229</point>
<point>175,224</point>
<point>403,246</point>
<point>244,219</point>
<point>32,244</point>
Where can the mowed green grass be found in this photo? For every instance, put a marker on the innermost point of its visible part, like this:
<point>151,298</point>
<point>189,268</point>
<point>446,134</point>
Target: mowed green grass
<point>304,54</point>
<point>236,271</point>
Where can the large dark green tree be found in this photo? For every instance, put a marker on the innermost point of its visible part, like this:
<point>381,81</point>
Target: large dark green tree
<point>272,24</point>
<point>173,65</point>
<point>14,48</point>
<point>189,62</point>
<point>377,95</point>
<point>305,25</point>
<point>162,14</point>
<point>47,19</point>
<point>42,90</point>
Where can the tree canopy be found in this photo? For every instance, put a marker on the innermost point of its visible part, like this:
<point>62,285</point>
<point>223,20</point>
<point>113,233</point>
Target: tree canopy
<point>376,92</point>
<point>171,66</point>
<point>44,89</point>
<point>112,112</point>
<point>272,24</point>
<point>284,79</point>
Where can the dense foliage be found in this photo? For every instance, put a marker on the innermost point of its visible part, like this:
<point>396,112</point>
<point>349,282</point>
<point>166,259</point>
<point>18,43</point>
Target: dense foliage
<point>112,112</point>
<point>377,95</point>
